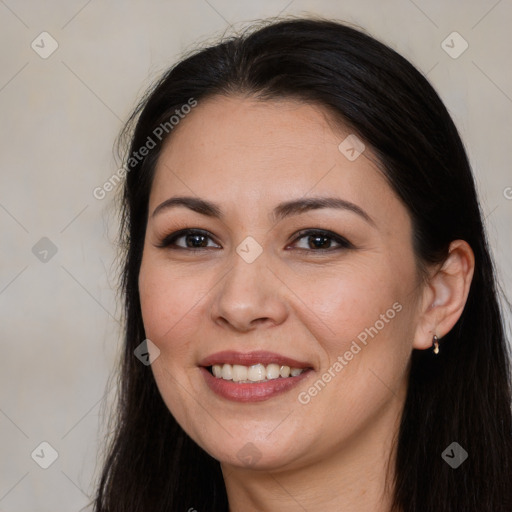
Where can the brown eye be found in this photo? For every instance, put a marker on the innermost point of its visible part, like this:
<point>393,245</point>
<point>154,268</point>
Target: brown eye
<point>192,239</point>
<point>315,240</point>
<point>320,240</point>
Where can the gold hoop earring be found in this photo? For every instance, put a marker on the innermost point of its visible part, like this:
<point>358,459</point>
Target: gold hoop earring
<point>435,341</point>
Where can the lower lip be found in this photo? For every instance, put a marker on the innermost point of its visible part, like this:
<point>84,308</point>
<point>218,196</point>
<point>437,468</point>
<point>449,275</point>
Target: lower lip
<point>256,392</point>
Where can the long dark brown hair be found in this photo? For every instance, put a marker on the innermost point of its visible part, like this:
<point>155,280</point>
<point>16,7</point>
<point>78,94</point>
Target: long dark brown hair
<point>463,395</point>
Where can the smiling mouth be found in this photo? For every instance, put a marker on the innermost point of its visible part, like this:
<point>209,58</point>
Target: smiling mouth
<point>255,373</point>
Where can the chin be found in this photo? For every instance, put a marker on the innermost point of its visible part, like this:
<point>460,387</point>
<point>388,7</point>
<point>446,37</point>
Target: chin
<point>254,452</point>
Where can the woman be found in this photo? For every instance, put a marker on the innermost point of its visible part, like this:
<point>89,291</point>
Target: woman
<point>311,312</point>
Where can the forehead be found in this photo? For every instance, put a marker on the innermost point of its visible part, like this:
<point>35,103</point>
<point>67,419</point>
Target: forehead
<point>238,125</point>
<point>257,152</point>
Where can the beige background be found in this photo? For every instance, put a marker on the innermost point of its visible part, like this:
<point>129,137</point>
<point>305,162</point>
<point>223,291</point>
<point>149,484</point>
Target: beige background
<point>59,118</point>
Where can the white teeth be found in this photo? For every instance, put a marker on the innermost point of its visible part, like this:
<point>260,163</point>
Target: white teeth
<point>239,372</point>
<point>257,372</point>
<point>272,371</point>
<point>284,371</point>
<point>254,373</point>
<point>226,371</point>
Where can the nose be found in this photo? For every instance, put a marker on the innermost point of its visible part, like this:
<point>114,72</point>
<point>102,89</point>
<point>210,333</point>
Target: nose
<point>250,295</point>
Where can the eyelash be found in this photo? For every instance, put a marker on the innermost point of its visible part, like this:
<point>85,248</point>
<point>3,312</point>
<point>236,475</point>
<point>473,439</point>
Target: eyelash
<point>169,240</point>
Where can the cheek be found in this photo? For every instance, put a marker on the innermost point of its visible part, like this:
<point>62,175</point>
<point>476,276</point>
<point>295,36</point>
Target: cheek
<point>367,320</point>
<point>165,300</point>
<point>365,334</point>
<point>352,298</point>
<point>167,306</point>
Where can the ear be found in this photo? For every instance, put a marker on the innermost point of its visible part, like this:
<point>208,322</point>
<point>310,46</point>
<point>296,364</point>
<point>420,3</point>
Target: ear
<point>445,295</point>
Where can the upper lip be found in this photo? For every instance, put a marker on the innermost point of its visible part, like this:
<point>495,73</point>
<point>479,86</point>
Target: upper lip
<point>252,358</point>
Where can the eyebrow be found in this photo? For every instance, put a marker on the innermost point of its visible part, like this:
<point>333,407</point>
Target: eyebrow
<point>281,211</point>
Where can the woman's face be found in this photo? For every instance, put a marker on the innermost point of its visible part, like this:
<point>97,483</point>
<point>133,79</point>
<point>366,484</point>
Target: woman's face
<point>270,283</point>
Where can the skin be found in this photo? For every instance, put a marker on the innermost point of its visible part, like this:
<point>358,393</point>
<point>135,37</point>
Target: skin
<point>248,156</point>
